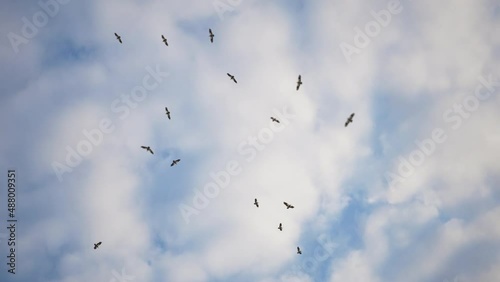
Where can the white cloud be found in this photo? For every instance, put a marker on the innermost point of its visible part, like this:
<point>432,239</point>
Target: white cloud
<point>430,55</point>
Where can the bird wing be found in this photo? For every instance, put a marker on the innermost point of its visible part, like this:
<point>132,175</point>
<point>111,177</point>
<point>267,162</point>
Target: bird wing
<point>144,147</point>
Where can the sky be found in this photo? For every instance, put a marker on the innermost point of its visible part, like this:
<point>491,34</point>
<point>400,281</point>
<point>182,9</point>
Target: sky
<point>409,191</point>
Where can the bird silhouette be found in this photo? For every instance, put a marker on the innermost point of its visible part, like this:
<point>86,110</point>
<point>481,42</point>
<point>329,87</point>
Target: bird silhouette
<point>299,82</point>
<point>211,35</point>
<point>349,120</point>
<point>164,39</point>
<point>167,112</point>
<point>97,245</point>
<point>288,206</point>
<point>174,162</point>
<point>232,77</point>
<point>280,227</point>
<point>275,120</point>
<point>299,251</point>
<point>118,37</point>
<point>147,148</point>
<point>256,203</point>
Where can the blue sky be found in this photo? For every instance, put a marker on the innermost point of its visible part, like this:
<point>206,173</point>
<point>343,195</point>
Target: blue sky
<point>407,192</point>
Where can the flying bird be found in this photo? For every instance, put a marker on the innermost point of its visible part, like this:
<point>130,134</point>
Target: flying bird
<point>164,39</point>
<point>167,112</point>
<point>288,206</point>
<point>97,245</point>
<point>280,227</point>
<point>174,162</point>
<point>299,82</point>
<point>275,120</point>
<point>211,35</point>
<point>299,251</point>
<point>147,148</point>
<point>349,120</point>
<point>232,77</point>
<point>256,203</point>
<point>118,37</point>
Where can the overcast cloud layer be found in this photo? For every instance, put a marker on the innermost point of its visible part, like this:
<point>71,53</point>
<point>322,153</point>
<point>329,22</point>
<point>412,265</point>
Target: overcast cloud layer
<point>409,191</point>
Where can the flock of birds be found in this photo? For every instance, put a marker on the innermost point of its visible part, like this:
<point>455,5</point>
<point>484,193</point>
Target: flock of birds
<point>167,112</point>
<point>280,226</point>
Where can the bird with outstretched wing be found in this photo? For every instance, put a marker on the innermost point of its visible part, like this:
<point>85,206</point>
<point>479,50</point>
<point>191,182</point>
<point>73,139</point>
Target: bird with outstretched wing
<point>349,120</point>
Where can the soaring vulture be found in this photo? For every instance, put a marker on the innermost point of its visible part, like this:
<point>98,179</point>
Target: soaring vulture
<point>256,203</point>
<point>174,162</point>
<point>349,120</point>
<point>288,206</point>
<point>232,77</point>
<point>275,120</point>
<point>280,227</point>
<point>147,148</point>
<point>164,40</point>
<point>299,82</point>
<point>97,245</point>
<point>118,37</point>
<point>211,35</point>
<point>167,112</point>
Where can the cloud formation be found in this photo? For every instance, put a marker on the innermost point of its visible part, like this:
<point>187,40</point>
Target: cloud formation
<point>426,66</point>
